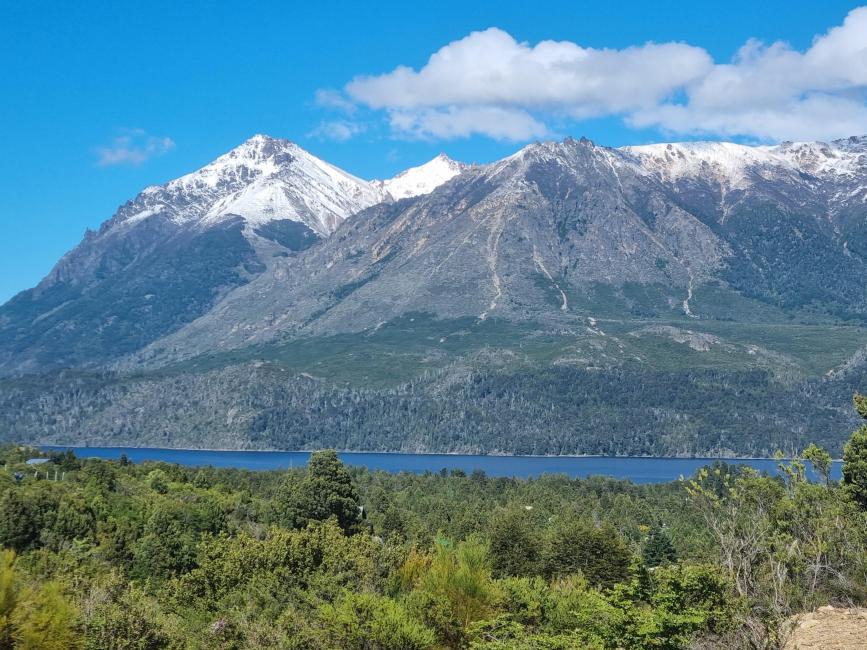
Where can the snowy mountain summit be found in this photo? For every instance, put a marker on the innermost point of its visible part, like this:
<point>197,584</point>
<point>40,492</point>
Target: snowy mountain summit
<point>423,179</point>
<point>262,180</point>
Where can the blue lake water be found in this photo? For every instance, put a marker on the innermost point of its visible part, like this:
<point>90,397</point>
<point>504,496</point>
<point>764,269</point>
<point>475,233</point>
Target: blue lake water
<point>637,470</point>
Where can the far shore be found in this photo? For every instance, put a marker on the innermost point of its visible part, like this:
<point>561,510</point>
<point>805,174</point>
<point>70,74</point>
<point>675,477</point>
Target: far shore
<point>411,453</point>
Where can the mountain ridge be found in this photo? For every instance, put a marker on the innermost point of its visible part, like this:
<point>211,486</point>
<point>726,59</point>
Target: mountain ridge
<point>650,232</point>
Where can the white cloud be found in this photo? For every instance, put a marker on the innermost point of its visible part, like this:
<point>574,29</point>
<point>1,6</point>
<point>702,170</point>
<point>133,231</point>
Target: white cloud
<point>339,130</point>
<point>133,147</point>
<point>334,99</point>
<point>813,117</point>
<point>488,83</point>
<point>491,68</point>
<point>462,121</point>
<point>773,91</point>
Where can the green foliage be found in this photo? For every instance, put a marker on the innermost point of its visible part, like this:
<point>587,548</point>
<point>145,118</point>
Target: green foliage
<point>855,457</point>
<point>658,549</point>
<point>128,556</point>
<point>33,616</point>
<point>784,544</point>
<point>100,475</point>
<point>663,612</point>
<point>122,619</point>
<point>158,481</point>
<point>45,620</point>
<point>9,596</point>
<point>515,543</point>
<point>596,552</point>
<point>365,621</point>
<point>167,545</point>
<point>820,459</point>
<point>19,522</point>
<point>455,589</point>
<point>860,402</point>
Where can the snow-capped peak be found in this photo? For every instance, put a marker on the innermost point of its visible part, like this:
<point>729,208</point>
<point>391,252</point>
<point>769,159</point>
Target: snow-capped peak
<point>261,180</point>
<point>257,156</point>
<point>423,179</point>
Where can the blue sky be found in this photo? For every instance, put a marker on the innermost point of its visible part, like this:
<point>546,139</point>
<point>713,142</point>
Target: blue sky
<point>100,99</point>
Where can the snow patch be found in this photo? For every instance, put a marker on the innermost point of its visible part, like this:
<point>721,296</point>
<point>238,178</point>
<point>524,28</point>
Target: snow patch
<point>736,163</point>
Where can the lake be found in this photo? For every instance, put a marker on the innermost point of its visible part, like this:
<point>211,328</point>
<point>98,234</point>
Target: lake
<point>637,470</point>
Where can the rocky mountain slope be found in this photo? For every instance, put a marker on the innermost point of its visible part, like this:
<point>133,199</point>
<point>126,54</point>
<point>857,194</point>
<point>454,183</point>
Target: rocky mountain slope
<point>560,233</point>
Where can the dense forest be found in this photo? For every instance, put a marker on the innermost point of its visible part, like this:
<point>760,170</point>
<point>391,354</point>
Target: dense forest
<point>477,406</point>
<point>115,555</point>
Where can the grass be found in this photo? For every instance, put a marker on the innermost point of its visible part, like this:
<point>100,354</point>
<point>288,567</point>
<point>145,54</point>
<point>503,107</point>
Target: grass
<point>407,347</point>
<point>395,352</point>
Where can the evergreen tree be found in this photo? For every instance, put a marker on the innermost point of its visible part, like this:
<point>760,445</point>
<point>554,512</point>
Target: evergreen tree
<point>658,550</point>
<point>598,553</point>
<point>855,457</point>
<point>19,521</point>
<point>326,491</point>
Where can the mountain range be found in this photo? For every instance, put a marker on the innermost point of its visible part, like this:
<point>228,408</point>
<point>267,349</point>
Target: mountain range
<point>318,308</point>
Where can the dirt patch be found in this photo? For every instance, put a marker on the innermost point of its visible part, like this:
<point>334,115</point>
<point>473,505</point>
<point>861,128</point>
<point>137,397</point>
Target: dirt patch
<point>829,628</point>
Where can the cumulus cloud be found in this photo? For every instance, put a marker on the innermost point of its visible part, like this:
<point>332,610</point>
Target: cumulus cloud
<point>492,68</point>
<point>488,83</point>
<point>773,91</point>
<point>133,147</point>
<point>811,117</point>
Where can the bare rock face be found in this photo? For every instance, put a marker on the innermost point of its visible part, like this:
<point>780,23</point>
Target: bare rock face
<point>828,628</point>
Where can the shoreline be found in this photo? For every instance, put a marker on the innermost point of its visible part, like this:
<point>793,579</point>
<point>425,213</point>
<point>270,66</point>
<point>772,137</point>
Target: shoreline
<point>414,453</point>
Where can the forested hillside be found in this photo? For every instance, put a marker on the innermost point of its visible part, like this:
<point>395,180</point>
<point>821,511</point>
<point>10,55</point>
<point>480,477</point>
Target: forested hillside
<point>110,555</point>
<point>487,404</point>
